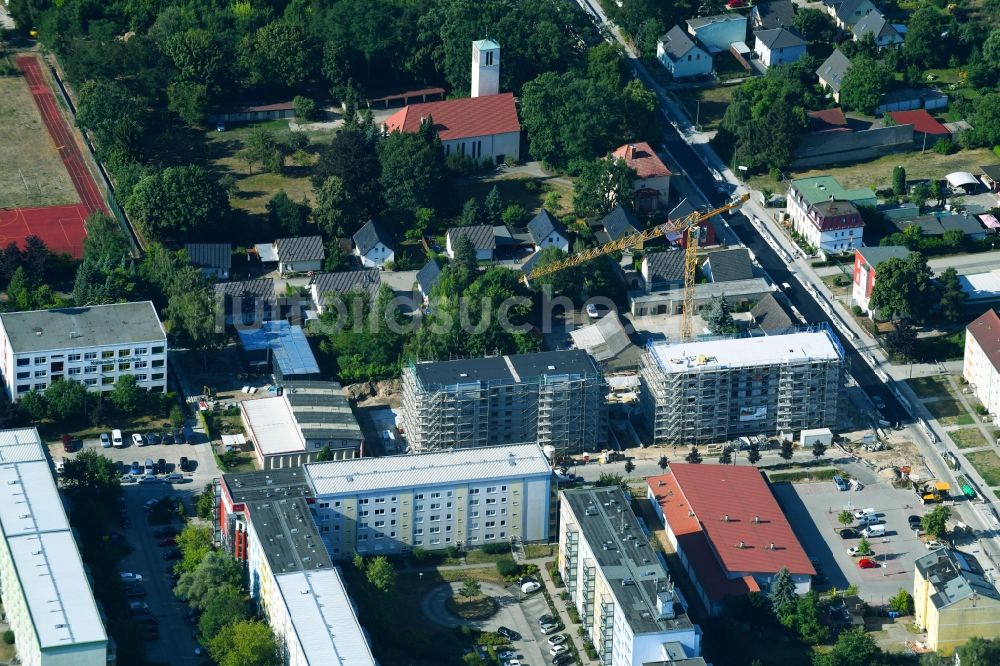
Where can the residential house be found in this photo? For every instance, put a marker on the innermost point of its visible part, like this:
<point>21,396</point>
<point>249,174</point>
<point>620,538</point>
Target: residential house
<point>831,72</point>
<point>547,231</point>
<point>681,56</point>
<point>778,46</point>
<point>770,15</point>
<point>882,31</point>
<point>214,259</point>
<point>620,222</point>
<point>246,302</point>
<point>866,262</point>
<point>926,130</point>
<point>770,317</point>
<point>427,277</point>
<point>373,245</point>
<point>299,255</point>
<point>728,265</point>
<point>332,289</point>
<point>991,177</point>
<point>663,270</point>
<point>826,214</point>
<point>847,13</point>
<point>717,33</point>
<point>481,235</point>
<point>981,365</point>
<point>954,600</point>
<point>651,187</point>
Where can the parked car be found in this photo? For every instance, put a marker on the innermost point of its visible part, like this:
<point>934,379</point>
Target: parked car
<point>149,504</point>
<point>933,544</point>
<point>149,478</point>
<point>138,608</point>
<point>152,438</point>
<point>168,541</point>
<point>915,522</point>
<point>509,634</point>
<point>126,478</point>
<point>129,577</point>
<point>167,438</point>
<point>530,586</point>
<point>558,649</point>
<point>60,465</point>
<point>178,435</point>
<point>864,513</point>
<point>174,478</point>
<point>558,639</point>
<point>840,483</point>
<point>592,311</point>
<point>545,619</point>
<point>116,438</point>
<point>105,440</point>
<point>867,563</point>
<point>856,552</point>
<point>134,593</point>
<point>564,658</point>
<point>504,655</point>
<point>849,533</point>
<point>135,469</point>
<point>137,439</point>
<point>184,465</point>
<point>161,466</point>
<point>119,467</point>
<point>550,628</point>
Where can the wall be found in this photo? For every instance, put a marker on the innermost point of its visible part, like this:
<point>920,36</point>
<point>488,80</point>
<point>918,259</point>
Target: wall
<point>300,266</point>
<point>978,370</point>
<point>492,146</point>
<point>964,619</point>
<point>695,63</point>
<point>826,148</point>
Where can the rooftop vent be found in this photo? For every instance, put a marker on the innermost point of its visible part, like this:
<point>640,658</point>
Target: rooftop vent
<point>756,519</point>
<point>741,545</point>
<point>37,330</point>
<point>772,547</point>
<point>725,518</point>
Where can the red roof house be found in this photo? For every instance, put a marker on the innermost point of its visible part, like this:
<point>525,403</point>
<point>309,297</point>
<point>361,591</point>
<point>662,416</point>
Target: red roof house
<point>478,127</point>
<point>923,123</point>
<point>728,530</point>
<point>652,182</point>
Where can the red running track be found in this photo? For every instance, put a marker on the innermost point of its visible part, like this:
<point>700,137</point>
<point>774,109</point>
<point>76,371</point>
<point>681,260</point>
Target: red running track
<point>61,227</point>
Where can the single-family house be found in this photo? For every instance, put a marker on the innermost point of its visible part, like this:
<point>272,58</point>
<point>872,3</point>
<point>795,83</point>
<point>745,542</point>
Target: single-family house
<point>299,255</point>
<point>826,214</point>
<point>778,46</point>
<point>547,231</point>
<point>847,13</point>
<point>831,72</point>
<point>651,187</point>
<point>866,262</point>
<point>770,15</point>
<point>663,270</point>
<point>717,33</point>
<point>214,259</point>
<point>882,31</point>
<point>681,56</point>
<point>373,245</point>
<point>728,265</point>
<point>427,277</point>
<point>482,237</point>
<point>991,177</point>
<point>620,222</point>
<point>246,302</point>
<point>336,289</point>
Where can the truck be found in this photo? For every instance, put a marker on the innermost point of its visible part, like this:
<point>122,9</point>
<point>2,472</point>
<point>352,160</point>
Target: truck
<point>932,492</point>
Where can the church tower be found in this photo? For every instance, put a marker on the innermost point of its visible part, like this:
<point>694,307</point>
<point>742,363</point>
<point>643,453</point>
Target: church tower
<point>485,68</point>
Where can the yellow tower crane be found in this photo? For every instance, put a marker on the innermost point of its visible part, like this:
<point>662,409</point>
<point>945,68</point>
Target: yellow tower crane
<point>688,225</point>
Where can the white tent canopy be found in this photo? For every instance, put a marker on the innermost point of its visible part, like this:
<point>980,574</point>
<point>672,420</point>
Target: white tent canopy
<point>962,179</point>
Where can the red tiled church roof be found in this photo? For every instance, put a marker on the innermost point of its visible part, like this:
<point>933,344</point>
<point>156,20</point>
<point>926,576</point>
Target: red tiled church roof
<point>461,118</point>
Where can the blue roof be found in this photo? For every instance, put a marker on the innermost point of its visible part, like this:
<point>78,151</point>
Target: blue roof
<point>289,347</point>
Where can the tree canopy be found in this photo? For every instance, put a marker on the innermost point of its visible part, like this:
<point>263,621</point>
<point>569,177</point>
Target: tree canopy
<point>904,288</point>
<point>178,201</point>
<point>864,84</point>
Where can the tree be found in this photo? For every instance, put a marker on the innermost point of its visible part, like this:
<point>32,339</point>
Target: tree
<point>412,169</point>
<point>470,588</point>
<point>809,619</point>
<point>845,518</point>
<point>305,107</point>
<point>224,606</point>
<point>864,546</point>
<point>819,448</point>
<point>189,101</point>
<point>353,159</point>
<point>787,449</point>
<point>493,207</point>
<point>783,597</point>
<point>36,260</point>
<point>980,651</point>
<point>719,317</point>
<point>332,206</point>
<point>115,117</point>
<point>903,288</point>
<point>127,396</point>
<point>899,180</point>
<point>278,55</point>
<point>66,398</point>
<point>260,147</point>
<point>902,603</point>
<point>952,297</point>
<point>34,405</point>
<point>178,201</point>
<point>813,25</point>
<point>325,454</point>
<point>286,216</point>
<point>693,456</point>
<point>194,542</point>
<point>726,457</point>
<point>602,185</point>
<point>629,467</point>
<point>935,522</point>
<point>864,84</point>
<point>854,647</point>
<point>91,475</point>
<point>381,575</point>
<point>19,291</point>
<point>205,503</point>
<point>465,263</point>
<point>753,455</point>
<point>201,59</point>
<point>245,643</point>
<point>925,45</point>
<point>663,463</point>
<point>609,479</point>
<point>472,213</point>
<point>901,341</point>
<point>176,416</point>
<point>986,118</point>
<point>191,315</point>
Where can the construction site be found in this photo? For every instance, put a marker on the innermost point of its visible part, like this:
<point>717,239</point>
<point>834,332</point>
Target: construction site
<point>702,392</point>
<point>554,398</point>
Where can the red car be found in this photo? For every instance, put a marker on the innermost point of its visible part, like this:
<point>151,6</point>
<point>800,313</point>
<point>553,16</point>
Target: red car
<point>734,4</point>
<point>867,563</point>
<point>170,541</point>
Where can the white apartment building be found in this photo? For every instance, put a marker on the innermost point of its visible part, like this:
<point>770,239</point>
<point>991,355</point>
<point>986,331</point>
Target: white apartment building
<point>466,498</point>
<point>981,365</point>
<point>93,345</point>
<point>620,586</point>
<point>45,590</point>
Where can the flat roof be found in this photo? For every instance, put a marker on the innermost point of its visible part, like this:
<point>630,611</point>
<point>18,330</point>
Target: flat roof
<point>286,532</point>
<point>288,345</point>
<point>45,555</point>
<point>605,517</point>
<point>472,465</point>
<point>323,618</point>
<point>981,286</point>
<point>272,425</point>
<point>742,352</point>
<point>289,482</point>
<point>515,368</point>
<point>74,328</point>
<point>322,410</point>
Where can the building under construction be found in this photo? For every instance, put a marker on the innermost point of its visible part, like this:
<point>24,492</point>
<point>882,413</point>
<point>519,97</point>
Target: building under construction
<point>553,398</point>
<point>718,390</point>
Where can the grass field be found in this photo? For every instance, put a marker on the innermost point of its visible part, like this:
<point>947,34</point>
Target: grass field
<point>31,173</point>
<point>987,463</point>
<point>714,102</point>
<point>928,164</point>
<point>930,387</point>
<point>949,412</point>
<point>968,438</point>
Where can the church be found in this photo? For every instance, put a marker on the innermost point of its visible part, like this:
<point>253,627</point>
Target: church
<point>484,126</point>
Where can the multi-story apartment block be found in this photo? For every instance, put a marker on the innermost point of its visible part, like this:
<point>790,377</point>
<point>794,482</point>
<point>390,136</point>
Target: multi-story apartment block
<point>826,214</point>
<point>47,598</point>
<point>628,605</point>
<point>981,365</point>
<point>94,345</point>
<point>266,522</point>
<point>553,398</point>
<point>465,498</point>
<point>954,600</point>
<point>717,390</point>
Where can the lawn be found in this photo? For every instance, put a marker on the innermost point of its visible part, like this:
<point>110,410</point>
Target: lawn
<point>530,193</point>
<point>714,102</point>
<point>948,411</point>
<point>84,428</point>
<point>930,387</point>
<point>987,463</point>
<point>31,174</point>
<point>968,438</point>
<point>477,556</point>
<point>536,550</point>
<point>839,283</point>
<point>941,347</point>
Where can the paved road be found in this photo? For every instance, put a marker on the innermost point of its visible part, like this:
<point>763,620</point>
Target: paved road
<point>966,264</point>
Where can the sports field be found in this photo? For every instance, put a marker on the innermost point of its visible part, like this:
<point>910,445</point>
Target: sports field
<point>31,172</point>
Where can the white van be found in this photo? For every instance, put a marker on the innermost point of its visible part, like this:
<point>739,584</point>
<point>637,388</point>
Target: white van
<point>862,513</point>
<point>874,531</point>
<point>116,439</point>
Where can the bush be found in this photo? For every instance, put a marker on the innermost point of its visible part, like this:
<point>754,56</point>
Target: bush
<point>856,310</point>
<point>305,108</point>
<point>454,552</point>
<point>496,548</point>
<point>507,567</point>
<point>944,147</point>
<point>419,554</point>
<point>8,637</point>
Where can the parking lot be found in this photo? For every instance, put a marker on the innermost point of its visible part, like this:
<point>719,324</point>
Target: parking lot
<point>813,508</point>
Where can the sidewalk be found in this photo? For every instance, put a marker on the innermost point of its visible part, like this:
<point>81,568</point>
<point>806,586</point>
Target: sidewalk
<point>570,627</point>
